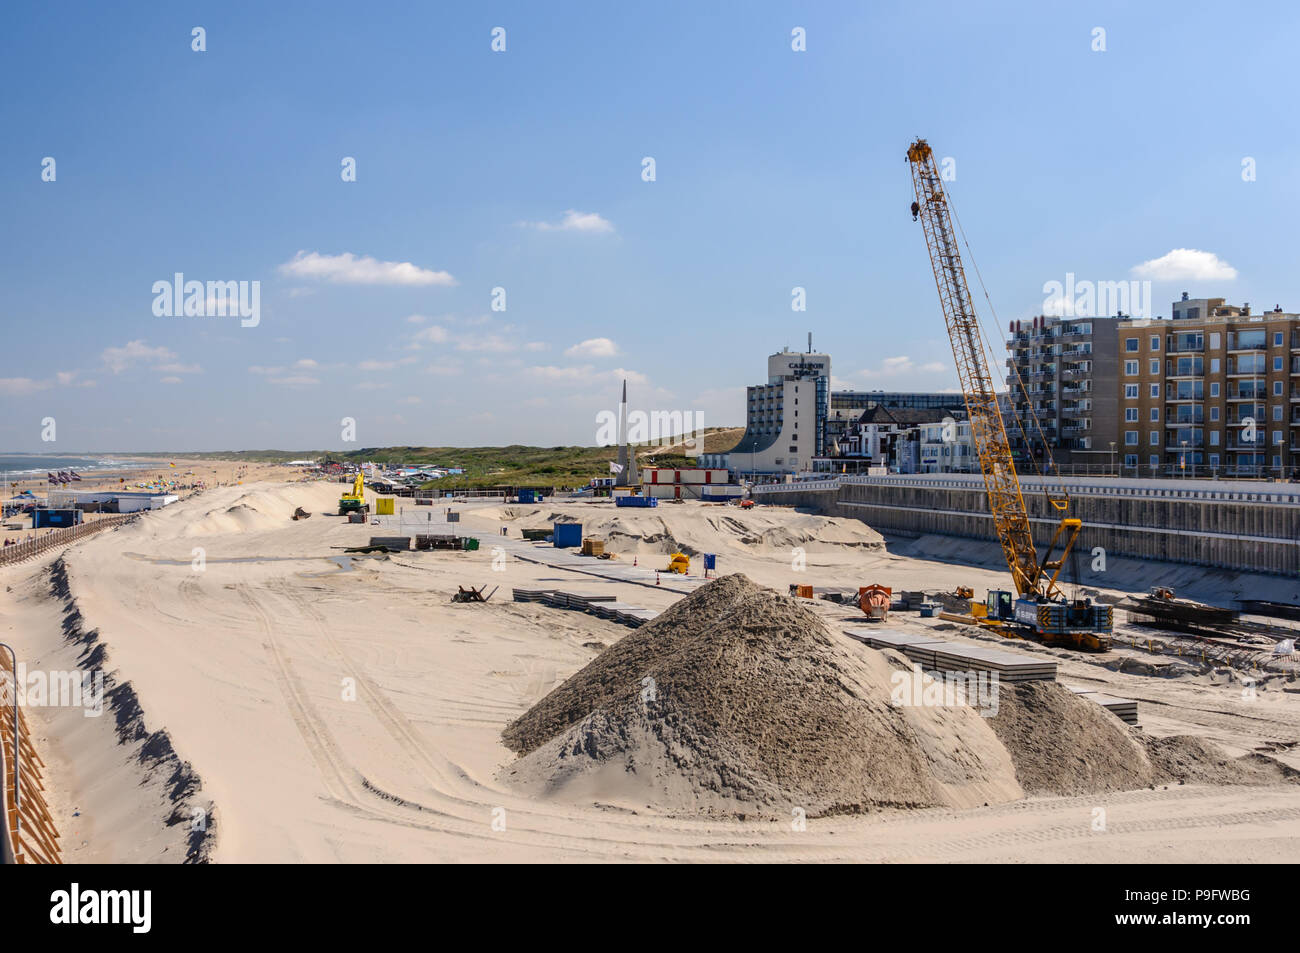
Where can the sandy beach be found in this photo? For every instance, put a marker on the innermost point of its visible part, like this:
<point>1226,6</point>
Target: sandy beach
<point>182,479</point>
<point>290,703</point>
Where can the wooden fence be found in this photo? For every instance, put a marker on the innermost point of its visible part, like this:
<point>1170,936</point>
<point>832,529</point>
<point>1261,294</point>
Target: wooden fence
<point>37,545</point>
<point>29,835</point>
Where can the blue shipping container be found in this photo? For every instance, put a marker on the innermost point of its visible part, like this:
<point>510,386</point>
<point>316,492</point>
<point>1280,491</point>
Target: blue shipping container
<point>636,501</point>
<point>528,496</point>
<point>567,534</point>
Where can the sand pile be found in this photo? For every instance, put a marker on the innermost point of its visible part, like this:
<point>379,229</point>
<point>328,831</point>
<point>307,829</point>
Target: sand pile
<point>1191,760</point>
<point>737,700</point>
<point>1064,744</point>
<point>254,511</point>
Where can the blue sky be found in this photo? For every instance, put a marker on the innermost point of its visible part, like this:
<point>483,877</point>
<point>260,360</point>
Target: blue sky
<point>522,170</point>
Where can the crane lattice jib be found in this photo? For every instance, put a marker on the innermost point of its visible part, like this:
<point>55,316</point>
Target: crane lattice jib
<point>1006,502</point>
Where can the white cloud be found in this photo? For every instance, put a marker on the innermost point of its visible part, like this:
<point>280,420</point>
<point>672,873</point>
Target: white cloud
<point>575,221</point>
<point>306,363</point>
<point>902,365</point>
<point>373,365</point>
<point>593,347</point>
<point>118,359</point>
<point>1186,264</point>
<point>433,334</point>
<point>179,369</point>
<point>416,319</point>
<point>585,373</point>
<point>348,269</point>
<point>18,386</point>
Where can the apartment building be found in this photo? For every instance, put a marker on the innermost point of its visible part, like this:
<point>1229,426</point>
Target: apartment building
<point>1215,390</point>
<point>1061,374</point>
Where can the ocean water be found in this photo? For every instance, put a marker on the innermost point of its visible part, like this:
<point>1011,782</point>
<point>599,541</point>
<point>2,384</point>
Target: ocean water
<point>18,465</point>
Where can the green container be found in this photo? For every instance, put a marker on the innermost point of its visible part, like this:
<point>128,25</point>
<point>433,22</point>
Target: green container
<point>471,543</point>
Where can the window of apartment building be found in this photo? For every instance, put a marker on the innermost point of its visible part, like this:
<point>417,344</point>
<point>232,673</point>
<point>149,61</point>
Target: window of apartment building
<point>1155,415</point>
<point>1155,342</point>
<point>1277,338</point>
<point>1154,438</point>
<point>1214,340</point>
<point>1277,438</point>
<point>1131,368</point>
<point>1130,415</point>
<point>1130,392</point>
<point>1214,414</point>
<point>1214,459</point>
<point>1130,459</point>
<point>1130,438</point>
<point>1214,365</point>
<point>1155,460</point>
<point>1277,388</point>
<point>1277,363</point>
<point>1155,391</point>
<point>1277,413</point>
<point>1131,344</point>
<point>1155,365</point>
<point>1214,388</point>
<point>1214,438</point>
<point>1277,461</point>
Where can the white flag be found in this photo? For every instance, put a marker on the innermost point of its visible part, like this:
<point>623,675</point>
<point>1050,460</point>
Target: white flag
<point>615,467</point>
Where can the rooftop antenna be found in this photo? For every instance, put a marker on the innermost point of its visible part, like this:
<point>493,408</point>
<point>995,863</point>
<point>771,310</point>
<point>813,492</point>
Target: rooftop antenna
<point>809,342</point>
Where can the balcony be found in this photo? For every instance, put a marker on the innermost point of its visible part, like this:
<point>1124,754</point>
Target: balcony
<point>1190,421</point>
<point>1172,348</point>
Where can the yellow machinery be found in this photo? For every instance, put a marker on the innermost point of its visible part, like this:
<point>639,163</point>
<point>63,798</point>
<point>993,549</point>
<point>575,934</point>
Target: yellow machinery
<point>354,502</point>
<point>1042,605</point>
<point>679,563</point>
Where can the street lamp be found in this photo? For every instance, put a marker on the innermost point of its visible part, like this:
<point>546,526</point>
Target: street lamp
<point>1183,463</point>
<point>1112,458</point>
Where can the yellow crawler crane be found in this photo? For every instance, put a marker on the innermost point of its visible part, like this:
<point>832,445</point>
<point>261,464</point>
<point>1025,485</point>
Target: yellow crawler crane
<point>1041,605</point>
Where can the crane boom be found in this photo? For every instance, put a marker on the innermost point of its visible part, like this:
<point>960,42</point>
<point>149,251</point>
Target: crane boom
<point>988,434</point>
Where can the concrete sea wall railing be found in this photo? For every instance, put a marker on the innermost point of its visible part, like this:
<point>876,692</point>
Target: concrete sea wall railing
<point>1244,527</point>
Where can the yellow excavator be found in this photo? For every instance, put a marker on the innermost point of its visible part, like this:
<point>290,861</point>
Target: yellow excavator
<point>1039,605</point>
<point>355,502</point>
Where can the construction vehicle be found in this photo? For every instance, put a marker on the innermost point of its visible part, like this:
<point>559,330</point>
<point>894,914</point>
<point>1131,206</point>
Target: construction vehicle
<point>874,601</point>
<point>355,502</point>
<point>1039,605</point>
<point>679,563</point>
